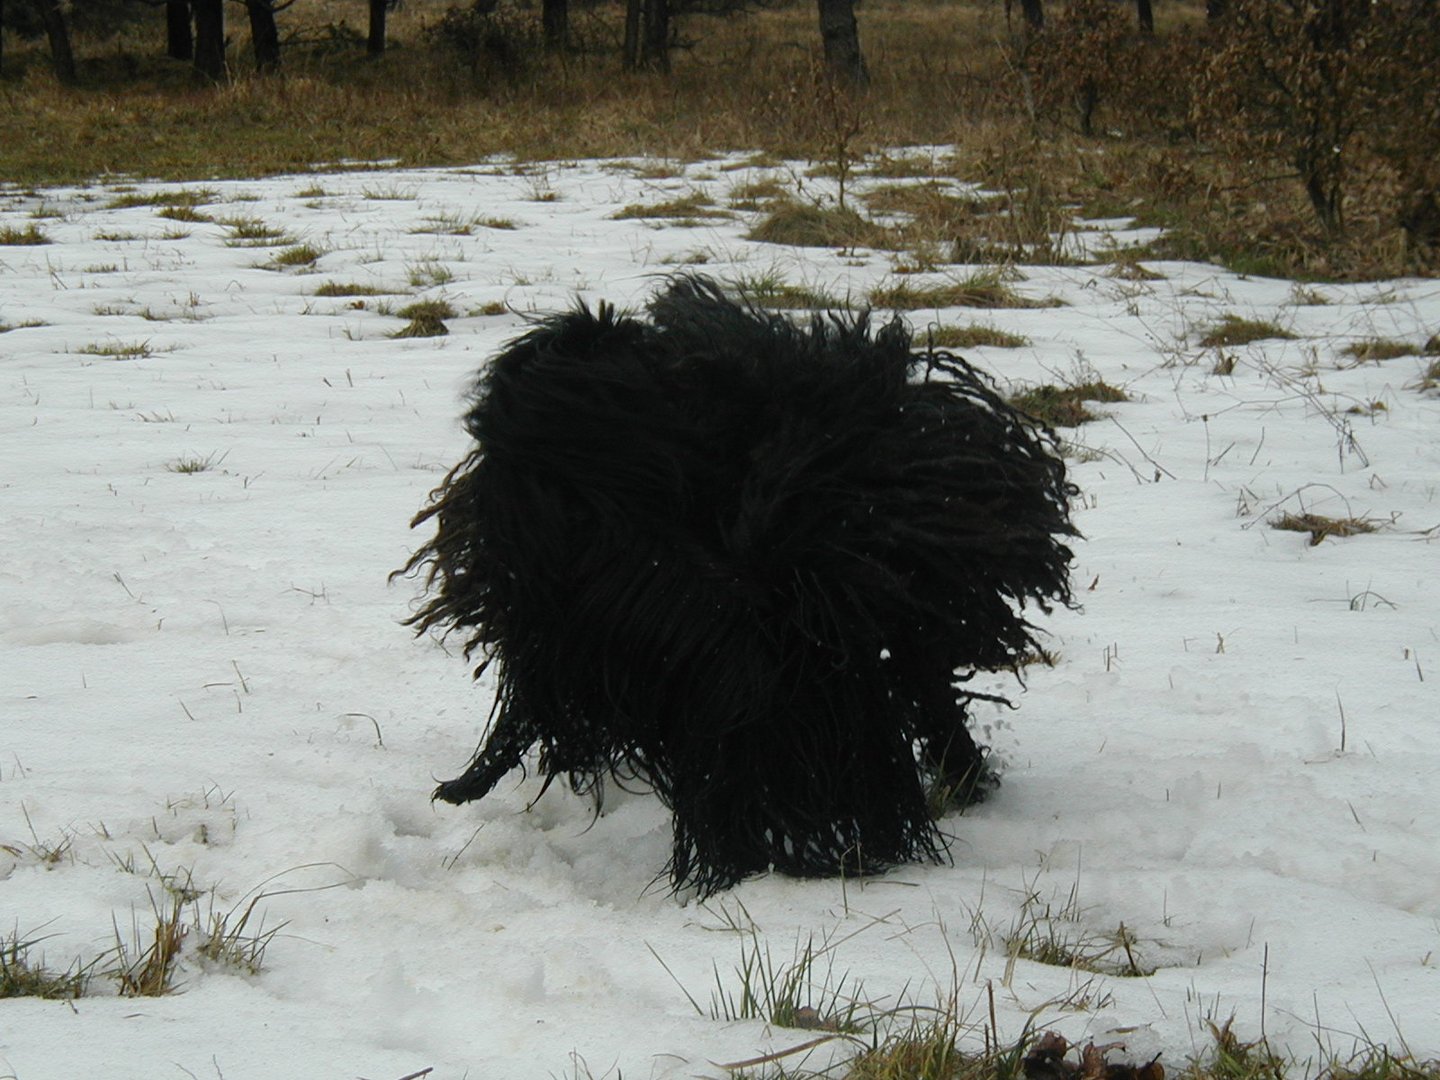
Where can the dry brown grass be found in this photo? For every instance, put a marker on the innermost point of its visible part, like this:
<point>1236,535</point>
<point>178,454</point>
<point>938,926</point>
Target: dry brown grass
<point>943,72</point>
<point>1319,526</point>
<point>1064,406</point>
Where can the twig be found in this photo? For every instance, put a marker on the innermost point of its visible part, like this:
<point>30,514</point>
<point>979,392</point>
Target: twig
<point>1158,467</point>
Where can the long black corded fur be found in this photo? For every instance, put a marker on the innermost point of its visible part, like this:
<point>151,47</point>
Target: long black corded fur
<point>748,563</point>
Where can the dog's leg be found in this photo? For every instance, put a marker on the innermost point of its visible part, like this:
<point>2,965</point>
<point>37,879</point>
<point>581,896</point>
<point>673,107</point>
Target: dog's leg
<point>948,752</point>
<point>503,750</point>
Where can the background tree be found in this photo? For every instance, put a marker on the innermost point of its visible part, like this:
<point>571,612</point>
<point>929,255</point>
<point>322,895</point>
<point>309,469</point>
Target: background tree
<point>555,21</point>
<point>209,38</point>
<point>1286,82</point>
<point>647,35</point>
<point>179,36</point>
<point>841,39</point>
<point>264,34</point>
<point>57,30</point>
<point>375,39</point>
<point>1146,15</point>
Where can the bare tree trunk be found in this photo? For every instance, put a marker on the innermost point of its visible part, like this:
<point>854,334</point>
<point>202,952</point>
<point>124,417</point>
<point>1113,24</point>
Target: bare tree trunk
<point>1147,16</point>
<point>264,35</point>
<point>62,57</point>
<point>841,39</point>
<point>633,16</point>
<point>179,36</point>
<point>210,38</point>
<point>375,41</point>
<point>2,37</point>
<point>655,35</point>
<point>555,22</point>
<point>1034,14</point>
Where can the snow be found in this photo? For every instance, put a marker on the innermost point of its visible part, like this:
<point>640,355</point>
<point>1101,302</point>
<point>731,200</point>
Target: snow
<point>204,675</point>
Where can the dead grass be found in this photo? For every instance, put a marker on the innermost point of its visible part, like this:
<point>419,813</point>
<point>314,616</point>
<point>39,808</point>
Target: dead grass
<point>297,255</point>
<point>427,319</point>
<point>146,960</point>
<point>1064,406</point>
<point>756,194</point>
<point>774,291</point>
<point>253,232</point>
<point>181,197</point>
<point>1233,330</point>
<point>982,289</point>
<point>347,288</point>
<point>22,976</point>
<point>1376,349</point>
<point>972,335</point>
<point>942,73</point>
<point>184,213</point>
<point>687,208</point>
<point>1320,527</point>
<point>800,224</point>
<point>31,235</point>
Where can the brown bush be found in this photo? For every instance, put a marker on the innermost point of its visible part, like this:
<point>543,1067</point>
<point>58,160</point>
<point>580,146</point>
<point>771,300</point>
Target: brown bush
<point>1087,53</point>
<point>1342,92</point>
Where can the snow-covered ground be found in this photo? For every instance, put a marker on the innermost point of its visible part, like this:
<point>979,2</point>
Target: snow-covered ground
<point>207,473</point>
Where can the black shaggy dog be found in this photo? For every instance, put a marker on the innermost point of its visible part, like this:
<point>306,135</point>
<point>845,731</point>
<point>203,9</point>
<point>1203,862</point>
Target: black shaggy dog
<point>749,564</point>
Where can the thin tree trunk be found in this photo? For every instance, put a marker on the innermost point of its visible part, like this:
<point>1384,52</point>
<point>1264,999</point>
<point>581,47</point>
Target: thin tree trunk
<point>633,15</point>
<point>555,21</point>
<point>62,57</point>
<point>655,35</point>
<point>210,38</point>
<point>841,39</point>
<point>179,36</point>
<point>375,41</point>
<point>1034,14</point>
<point>2,37</point>
<point>264,35</point>
<point>1147,16</point>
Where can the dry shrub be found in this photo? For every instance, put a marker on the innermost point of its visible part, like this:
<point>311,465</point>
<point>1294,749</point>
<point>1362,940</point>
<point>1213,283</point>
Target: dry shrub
<point>1088,52</point>
<point>1342,92</point>
<point>490,39</point>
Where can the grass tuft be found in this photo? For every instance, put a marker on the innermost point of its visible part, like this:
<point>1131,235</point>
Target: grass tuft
<point>252,232</point>
<point>22,977</point>
<point>757,194</point>
<point>428,309</point>
<point>422,326</point>
<point>429,272</point>
<point>347,288</point>
<point>800,224</point>
<point>1376,349</point>
<point>688,208</point>
<point>982,289</point>
<point>1064,406</point>
<point>194,464</point>
<point>773,291</point>
<point>1234,330</point>
<point>793,995</point>
<point>1319,526</point>
<point>145,963</point>
<point>181,197</point>
<point>973,335</point>
<point>30,235</point>
<point>297,255</point>
<point>184,213</point>
<point>118,350</point>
